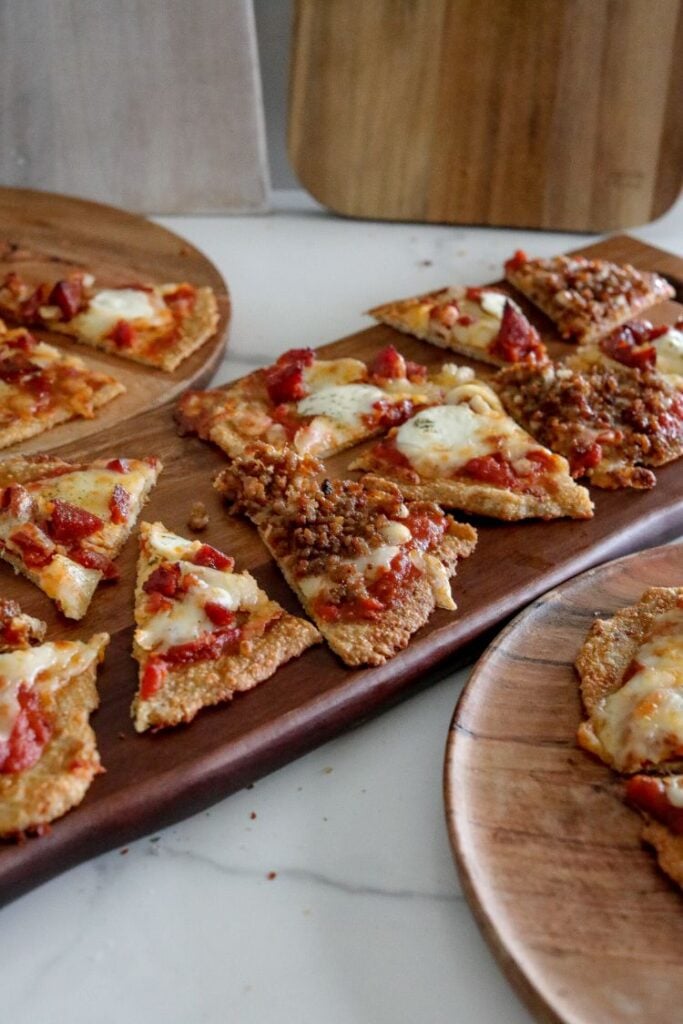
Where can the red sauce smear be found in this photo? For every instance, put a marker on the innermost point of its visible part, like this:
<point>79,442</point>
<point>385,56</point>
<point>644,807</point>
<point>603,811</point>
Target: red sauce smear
<point>118,465</point>
<point>207,646</point>
<point>496,469</point>
<point>122,334</point>
<point>649,794</point>
<point>27,740</point>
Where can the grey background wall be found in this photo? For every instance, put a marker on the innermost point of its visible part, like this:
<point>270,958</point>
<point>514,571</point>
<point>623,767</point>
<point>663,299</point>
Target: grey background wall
<point>274,31</point>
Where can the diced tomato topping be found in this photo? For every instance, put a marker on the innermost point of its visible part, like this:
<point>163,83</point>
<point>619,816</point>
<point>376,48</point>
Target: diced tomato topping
<point>68,523</point>
<point>219,614</point>
<point>30,733</point>
<point>491,469</point>
<point>465,320</point>
<point>296,356</point>
<point>68,295</point>
<point>286,383</point>
<point>388,364</point>
<point>153,677</point>
<point>165,580</point>
<point>36,549</point>
<point>212,558</point>
<point>630,344</point>
<point>446,313</point>
<point>473,294</point>
<point>427,529</point>
<point>517,260</point>
<point>517,341</point>
<point>389,414</point>
<point>91,559</point>
<point>119,504</point>
<point>118,465</point>
<point>206,646</point>
<point>584,457</point>
<point>416,372</point>
<point>649,794</point>
<point>156,602</point>
<point>122,334</point>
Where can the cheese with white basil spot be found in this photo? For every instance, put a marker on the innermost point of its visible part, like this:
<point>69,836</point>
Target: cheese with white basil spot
<point>344,403</point>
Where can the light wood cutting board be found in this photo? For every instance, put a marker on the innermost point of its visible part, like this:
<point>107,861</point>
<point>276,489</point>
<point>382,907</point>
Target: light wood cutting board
<point>562,114</point>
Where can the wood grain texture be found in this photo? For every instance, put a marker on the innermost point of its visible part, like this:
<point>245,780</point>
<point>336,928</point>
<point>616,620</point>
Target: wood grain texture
<point>56,234</point>
<point>152,104</point>
<point>583,923</point>
<point>560,114</point>
<point>154,780</point>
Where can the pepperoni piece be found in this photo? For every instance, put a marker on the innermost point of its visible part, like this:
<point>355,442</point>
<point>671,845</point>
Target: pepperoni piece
<point>517,341</point>
<point>389,414</point>
<point>491,469</point>
<point>629,344</point>
<point>17,500</point>
<point>36,549</point>
<point>68,295</point>
<point>30,733</point>
<point>648,793</point>
<point>388,364</point>
<point>118,465</point>
<point>119,504</point>
<point>165,579</point>
<point>219,614</point>
<point>207,646</point>
<point>68,523</point>
<point>212,558</point>
<point>153,677</point>
<point>156,602</point>
<point>122,334</point>
<point>286,383</point>
<point>91,559</point>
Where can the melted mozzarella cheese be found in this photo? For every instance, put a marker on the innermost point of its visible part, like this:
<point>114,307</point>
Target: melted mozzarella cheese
<point>669,348</point>
<point>69,584</point>
<point>325,373</point>
<point>642,722</point>
<point>92,489</point>
<point>674,790</point>
<point>493,303</point>
<point>439,440</point>
<point>344,403</point>
<point>110,305</point>
<point>46,667</point>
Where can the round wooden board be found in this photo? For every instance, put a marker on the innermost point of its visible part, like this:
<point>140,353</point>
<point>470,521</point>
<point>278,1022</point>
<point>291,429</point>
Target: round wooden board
<point>582,921</point>
<point>56,234</point>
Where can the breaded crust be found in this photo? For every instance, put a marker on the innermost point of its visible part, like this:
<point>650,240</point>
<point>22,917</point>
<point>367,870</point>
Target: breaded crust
<point>60,778</point>
<point>668,847</point>
<point>22,469</point>
<point>191,687</point>
<point>20,430</point>
<point>372,642</point>
<point>612,643</point>
<point>568,499</point>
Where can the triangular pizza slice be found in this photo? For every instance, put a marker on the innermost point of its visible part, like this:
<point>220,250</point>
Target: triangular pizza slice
<point>204,632</point>
<point>62,523</point>
<point>160,325</point>
<point>482,323</point>
<point>48,751</point>
<point>41,387</point>
<point>469,454</point>
<point>636,345</point>
<point>368,567</point>
<point>317,406</point>
<point>585,298</point>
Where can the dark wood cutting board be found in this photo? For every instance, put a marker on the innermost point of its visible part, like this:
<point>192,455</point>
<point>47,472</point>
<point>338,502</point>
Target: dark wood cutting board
<point>152,780</point>
<point>583,923</point>
<point>46,236</point>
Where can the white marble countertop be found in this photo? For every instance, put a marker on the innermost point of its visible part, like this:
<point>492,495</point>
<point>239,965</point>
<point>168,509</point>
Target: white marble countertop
<point>364,920</point>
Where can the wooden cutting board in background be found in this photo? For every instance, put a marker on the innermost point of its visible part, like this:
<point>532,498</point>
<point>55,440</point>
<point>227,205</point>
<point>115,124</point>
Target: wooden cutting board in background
<point>563,114</point>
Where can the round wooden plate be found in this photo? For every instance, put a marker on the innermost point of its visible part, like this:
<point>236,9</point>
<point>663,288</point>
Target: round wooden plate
<point>46,235</point>
<point>583,923</point>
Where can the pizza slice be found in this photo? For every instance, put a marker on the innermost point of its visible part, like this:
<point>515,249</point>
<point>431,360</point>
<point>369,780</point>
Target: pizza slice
<point>159,325</point>
<point>48,751</point>
<point>41,387</point>
<point>631,673</point>
<point>18,630</point>
<point>660,800</point>
<point>585,298</point>
<point>319,406</point>
<point>636,345</point>
<point>204,632</point>
<point>368,567</point>
<point>482,323</point>
<point>469,454</point>
<point>62,523</point>
<point>609,426</point>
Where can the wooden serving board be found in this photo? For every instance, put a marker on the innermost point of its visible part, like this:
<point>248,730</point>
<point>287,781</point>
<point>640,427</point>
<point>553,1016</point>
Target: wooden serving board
<point>56,234</point>
<point>152,780</point>
<point>561,114</point>
<point>582,921</point>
